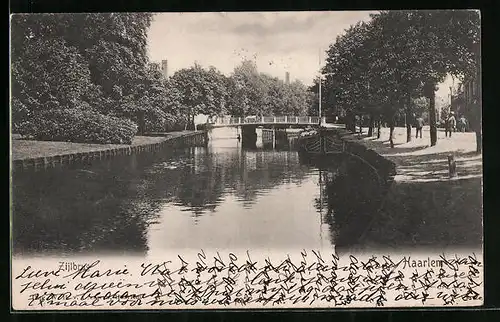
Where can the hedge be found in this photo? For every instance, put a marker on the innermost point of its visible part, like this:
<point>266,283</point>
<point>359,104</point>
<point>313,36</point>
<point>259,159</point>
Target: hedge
<point>80,126</point>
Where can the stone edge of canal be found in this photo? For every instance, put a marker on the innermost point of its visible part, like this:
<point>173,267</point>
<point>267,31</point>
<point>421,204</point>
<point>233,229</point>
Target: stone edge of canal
<point>184,139</point>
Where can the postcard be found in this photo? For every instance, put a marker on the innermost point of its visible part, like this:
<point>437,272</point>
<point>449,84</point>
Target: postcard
<point>246,160</point>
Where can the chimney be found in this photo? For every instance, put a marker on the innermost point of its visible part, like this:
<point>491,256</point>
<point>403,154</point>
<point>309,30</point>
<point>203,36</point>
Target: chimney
<point>287,78</point>
<point>164,68</point>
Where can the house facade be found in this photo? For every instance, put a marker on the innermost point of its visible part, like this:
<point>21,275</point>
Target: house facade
<point>473,103</point>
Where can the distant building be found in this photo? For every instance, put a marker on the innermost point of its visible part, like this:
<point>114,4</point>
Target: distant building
<point>287,78</point>
<point>467,101</point>
<point>164,68</point>
<point>472,94</point>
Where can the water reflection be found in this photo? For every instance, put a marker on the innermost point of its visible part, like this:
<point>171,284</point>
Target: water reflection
<point>218,196</point>
<point>103,207</point>
<point>351,196</point>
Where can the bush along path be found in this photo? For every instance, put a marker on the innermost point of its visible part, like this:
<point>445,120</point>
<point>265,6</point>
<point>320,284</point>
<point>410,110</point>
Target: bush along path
<point>79,126</point>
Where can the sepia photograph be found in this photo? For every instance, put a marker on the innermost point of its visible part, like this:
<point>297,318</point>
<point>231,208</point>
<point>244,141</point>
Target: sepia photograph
<point>246,160</point>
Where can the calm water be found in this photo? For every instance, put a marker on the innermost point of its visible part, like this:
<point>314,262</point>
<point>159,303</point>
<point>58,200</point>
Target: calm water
<point>216,197</point>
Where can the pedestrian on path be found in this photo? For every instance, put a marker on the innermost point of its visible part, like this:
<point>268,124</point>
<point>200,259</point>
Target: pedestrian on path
<point>462,124</point>
<point>450,124</point>
<point>419,124</point>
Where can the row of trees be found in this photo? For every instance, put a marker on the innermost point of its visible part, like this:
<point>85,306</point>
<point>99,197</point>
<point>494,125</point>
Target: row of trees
<point>257,93</point>
<point>87,78</point>
<point>383,68</point>
<point>244,92</point>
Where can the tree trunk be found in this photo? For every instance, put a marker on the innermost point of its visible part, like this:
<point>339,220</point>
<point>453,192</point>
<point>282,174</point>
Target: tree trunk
<point>408,126</point>
<point>391,132</point>
<point>476,125</point>
<point>409,119</point>
<point>391,124</point>
<point>379,123</point>
<point>350,122</point>
<point>432,119</point>
<point>140,122</point>
<point>187,122</point>
<point>479,140</point>
<point>479,106</point>
<point>479,134</point>
<point>372,123</point>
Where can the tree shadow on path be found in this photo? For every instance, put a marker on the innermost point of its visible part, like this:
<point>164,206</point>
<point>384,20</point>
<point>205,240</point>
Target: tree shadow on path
<point>435,167</point>
<point>430,214</point>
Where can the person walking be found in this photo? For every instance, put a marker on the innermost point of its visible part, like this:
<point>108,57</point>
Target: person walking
<point>450,124</point>
<point>419,124</point>
<point>463,124</point>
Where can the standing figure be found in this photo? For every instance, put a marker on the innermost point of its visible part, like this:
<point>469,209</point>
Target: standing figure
<point>450,124</point>
<point>419,124</point>
<point>358,120</point>
<point>462,124</point>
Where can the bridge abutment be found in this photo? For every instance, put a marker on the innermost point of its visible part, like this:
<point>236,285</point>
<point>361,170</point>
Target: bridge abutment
<point>249,135</point>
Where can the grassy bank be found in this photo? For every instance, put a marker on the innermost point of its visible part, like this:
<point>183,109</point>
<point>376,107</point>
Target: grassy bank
<point>30,149</point>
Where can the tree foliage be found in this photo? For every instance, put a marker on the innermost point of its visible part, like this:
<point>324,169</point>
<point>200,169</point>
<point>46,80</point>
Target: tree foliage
<point>245,92</point>
<point>380,67</point>
<point>200,91</point>
<point>254,93</point>
<point>248,89</point>
<point>92,62</point>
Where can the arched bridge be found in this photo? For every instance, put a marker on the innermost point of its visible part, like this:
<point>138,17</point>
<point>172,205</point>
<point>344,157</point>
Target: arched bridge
<point>265,120</point>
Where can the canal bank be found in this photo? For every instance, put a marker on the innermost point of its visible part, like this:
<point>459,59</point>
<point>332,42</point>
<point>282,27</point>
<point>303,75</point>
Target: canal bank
<point>339,143</point>
<point>42,154</point>
<point>384,167</point>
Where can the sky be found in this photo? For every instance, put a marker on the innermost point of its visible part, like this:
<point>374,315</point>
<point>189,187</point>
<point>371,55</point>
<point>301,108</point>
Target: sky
<point>277,41</point>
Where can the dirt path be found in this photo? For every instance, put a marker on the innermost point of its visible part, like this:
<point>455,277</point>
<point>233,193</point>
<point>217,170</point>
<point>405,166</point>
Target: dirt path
<point>418,161</point>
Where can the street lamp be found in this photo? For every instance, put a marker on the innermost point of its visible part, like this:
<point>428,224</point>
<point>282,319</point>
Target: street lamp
<point>319,94</point>
<point>451,98</point>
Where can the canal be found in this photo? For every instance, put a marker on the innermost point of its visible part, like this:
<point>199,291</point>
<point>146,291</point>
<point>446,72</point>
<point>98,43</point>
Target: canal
<point>222,196</point>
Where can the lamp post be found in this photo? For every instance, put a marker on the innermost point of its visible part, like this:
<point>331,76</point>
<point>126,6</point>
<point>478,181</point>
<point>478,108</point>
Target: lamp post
<point>319,93</point>
<point>451,99</point>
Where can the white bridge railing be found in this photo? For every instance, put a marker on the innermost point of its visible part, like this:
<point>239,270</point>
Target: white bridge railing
<point>230,120</point>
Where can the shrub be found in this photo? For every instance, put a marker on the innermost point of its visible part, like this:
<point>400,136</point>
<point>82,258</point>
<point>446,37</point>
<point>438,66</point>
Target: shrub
<point>159,121</point>
<point>155,121</point>
<point>77,125</point>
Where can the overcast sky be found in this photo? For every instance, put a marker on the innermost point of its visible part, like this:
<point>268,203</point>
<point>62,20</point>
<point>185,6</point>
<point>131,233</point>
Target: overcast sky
<point>277,41</point>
